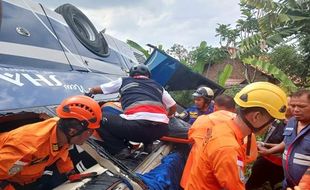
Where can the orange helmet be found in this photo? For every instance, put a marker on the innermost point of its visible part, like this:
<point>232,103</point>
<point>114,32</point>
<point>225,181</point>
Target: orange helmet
<point>83,108</point>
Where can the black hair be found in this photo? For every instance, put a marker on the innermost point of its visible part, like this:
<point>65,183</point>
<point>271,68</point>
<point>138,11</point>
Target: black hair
<point>66,124</point>
<point>301,92</point>
<point>225,101</point>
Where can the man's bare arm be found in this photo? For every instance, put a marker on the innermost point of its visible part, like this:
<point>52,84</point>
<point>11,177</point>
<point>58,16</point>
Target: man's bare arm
<point>279,148</point>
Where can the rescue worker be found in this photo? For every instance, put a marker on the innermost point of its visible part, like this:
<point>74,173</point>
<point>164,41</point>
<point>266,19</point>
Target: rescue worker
<point>197,132</point>
<point>203,97</point>
<point>221,159</point>
<point>26,151</point>
<point>296,135</point>
<point>269,167</point>
<point>304,183</point>
<point>145,104</point>
<point>296,156</point>
<point>81,159</point>
<point>224,105</point>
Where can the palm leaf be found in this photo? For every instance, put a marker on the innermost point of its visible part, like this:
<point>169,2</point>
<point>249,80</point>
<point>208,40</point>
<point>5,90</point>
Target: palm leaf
<point>268,5</point>
<point>271,69</point>
<point>250,42</point>
<point>138,47</point>
<point>225,74</point>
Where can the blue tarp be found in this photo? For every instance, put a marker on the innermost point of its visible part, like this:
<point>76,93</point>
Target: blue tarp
<point>167,175</point>
<point>175,76</point>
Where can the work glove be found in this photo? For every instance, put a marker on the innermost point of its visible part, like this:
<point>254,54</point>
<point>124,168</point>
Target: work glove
<point>89,94</point>
<point>80,177</point>
<point>184,115</point>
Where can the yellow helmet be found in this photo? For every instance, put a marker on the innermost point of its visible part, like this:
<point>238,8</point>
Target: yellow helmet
<point>265,95</point>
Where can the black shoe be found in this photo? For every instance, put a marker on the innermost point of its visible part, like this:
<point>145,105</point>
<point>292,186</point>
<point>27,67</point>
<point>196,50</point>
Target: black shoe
<point>123,154</point>
<point>148,148</point>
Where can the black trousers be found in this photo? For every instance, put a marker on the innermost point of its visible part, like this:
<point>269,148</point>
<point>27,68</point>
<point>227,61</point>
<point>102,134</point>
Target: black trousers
<point>263,171</point>
<point>45,182</point>
<point>117,131</point>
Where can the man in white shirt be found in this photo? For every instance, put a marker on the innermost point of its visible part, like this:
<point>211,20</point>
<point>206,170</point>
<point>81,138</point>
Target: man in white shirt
<point>147,107</point>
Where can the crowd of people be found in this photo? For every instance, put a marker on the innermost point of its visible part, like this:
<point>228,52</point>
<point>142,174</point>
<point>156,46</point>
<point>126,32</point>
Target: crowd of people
<point>222,135</point>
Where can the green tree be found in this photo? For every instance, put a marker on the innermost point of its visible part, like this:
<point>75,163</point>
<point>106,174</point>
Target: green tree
<point>184,97</point>
<point>222,31</point>
<point>264,25</point>
<point>204,54</point>
<point>248,23</point>
<point>304,44</point>
<point>283,20</point>
<point>267,67</point>
<point>291,62</point>
<point>237,39</point>
<point>199,56</point>
<point>179,52</point>
<point>227,35</point>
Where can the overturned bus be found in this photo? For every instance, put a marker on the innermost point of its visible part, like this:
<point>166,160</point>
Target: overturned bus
<point>46,56</point>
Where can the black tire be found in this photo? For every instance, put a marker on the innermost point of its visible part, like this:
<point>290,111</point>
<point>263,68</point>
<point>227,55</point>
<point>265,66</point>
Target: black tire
<point>83,29</point>
<point>102,182</point>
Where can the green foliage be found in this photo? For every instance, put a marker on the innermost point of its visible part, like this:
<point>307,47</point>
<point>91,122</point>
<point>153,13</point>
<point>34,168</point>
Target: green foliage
<point>232,90</point>
<point>225,74</point>
<point>304,43</point>
<point>199,56</point>
<point>180,53</point>
<point>264,25</point>
<point>273,70</point>
<point>259,4</point>
<point>204,54</point>
<point>138,47</point>
<point>227,34</point>
<point>183,97</point>
<point>279,20</point>
<point>249,43</point>
<point>291,62</point>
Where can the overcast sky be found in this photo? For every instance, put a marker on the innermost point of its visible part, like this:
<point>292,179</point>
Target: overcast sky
<point>186,22</point>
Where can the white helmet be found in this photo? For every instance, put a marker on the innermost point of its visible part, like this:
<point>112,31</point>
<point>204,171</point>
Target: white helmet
<point>204,92</point>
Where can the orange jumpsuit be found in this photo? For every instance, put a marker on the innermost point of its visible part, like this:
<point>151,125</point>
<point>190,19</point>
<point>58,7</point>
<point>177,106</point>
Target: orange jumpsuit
<point>26,151</point>
<point>221,160</point>
<point>198,131</point>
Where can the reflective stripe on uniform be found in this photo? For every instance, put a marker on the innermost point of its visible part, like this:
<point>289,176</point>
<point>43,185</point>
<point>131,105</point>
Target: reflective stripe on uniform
<point>48,172</point>
<point>302,156</point>
<point>301,162</point>
<point>140,103</point>
<point>130,85</point>
<point>301,159</point>
<point>284,155</point>
<point>21,163</point>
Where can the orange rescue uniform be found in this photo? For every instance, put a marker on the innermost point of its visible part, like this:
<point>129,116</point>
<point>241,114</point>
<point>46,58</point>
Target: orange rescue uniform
<point>304,183</point>
<point>26,151</point>
<point>198,131</point>
<point>221,160</point>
